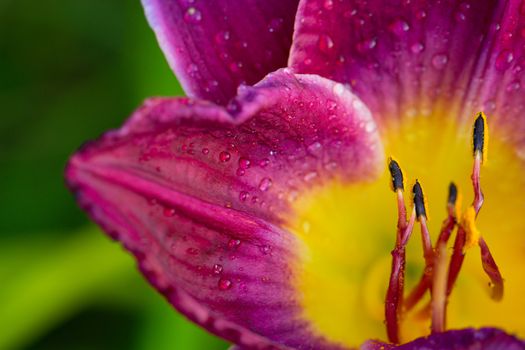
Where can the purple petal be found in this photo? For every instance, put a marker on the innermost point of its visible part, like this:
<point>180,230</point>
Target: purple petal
<point>465,339</point>
<point>198,196</point>
<point>405,58</point>
<point>213,46</point>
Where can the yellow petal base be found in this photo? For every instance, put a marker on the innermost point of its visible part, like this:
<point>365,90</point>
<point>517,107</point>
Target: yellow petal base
<point>348,232</point>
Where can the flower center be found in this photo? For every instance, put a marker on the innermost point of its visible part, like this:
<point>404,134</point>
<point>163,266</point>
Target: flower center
<point>348,232</point>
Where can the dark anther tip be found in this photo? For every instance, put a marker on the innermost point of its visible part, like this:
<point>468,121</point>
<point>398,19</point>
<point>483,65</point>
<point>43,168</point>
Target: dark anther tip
<point>479,134</point>
<point>452,193</point>
<point>419,201</point>
<point>396,174</point>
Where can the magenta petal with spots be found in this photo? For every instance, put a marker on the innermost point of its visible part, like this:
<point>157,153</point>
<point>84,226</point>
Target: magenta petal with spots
<point>465,339</point>
<point>198,193</point>
<point>213,46</point>
<point>405,57</point>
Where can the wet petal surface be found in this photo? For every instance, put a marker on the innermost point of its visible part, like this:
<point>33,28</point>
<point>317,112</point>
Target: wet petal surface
<point>213,46</point>
<point>199,194</point>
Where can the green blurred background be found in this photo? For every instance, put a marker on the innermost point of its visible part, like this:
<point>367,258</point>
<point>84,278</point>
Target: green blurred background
<point>70,69</point>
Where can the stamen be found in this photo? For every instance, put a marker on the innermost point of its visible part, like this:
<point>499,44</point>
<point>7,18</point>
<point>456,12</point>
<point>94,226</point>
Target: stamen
<point>394,295</point>
<point>439,289</point>
<point>446,230</point>
<point>421,212</point>
<point>467,232</point>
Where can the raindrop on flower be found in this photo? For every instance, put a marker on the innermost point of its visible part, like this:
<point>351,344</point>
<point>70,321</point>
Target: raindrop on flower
<point>264,162</point>
<point>192,15</point>
<point>417,48</point>
<point>328,5</point>
<point>169,212</point>
<point>234,243</point>
<point>205,151</point>
<point>224,156</point>
<point>399,27</point>
<point>265,184</point>
<point>504,59</point>
<point>366,45</point>
<point>265,249</point>
<point>217,269</point>
<point>325,43</point>
<point>513,86</point>
<point>225,284</point>
<point>243,196</point>
<point>244,163</point>
<point>439,61</point>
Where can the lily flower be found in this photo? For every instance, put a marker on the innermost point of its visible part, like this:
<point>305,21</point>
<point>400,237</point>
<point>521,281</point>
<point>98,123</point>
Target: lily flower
<point>260,207</point>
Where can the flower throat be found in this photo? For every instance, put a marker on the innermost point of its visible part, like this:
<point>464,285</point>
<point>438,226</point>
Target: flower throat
<point>440,273</point>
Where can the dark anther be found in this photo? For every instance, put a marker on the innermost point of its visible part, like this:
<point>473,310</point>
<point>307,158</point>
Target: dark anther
<point>452,193</point>
<point>479,134</point>
<point>419,200</point>
<point>397,175</point>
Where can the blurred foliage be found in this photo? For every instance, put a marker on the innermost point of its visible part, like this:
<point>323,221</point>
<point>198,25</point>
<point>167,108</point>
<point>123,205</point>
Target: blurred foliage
<point>70,70</point>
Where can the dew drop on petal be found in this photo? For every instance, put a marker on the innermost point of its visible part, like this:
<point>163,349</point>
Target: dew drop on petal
<point>169,212</point>
<point>205,151</point>
<point>366,45</point>
<point>243,196</point>
<point>328,5</point>
<point>504,60</point>
<point>264,162</point>
<point>439,61</point>
<point>399,27</point>
<point>217,269</point>
<point>265,249</point>
<point>244,163</point>
<point>234,243</point>
<point>265,184</point>
<point>192,15</point>
<point>325,43</point>
<point>240,172</point>
<point>225,284</point>
<point>224,156</point>
<point>417,48</point>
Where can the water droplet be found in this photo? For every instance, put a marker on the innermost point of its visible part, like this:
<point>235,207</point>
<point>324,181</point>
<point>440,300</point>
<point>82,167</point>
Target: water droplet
<point>275,25</point>
<point>513,86</point>
<point>192,15</point>
<point>224,156</point>
<point>222,37</point>
<point>265,249</point>
<point>399,27</point>
<point>325,43</point>
<point>225,284</point>
<point>315,148</point>
<point>439,61</point>
<point>421,14</point>
<point>234,243</point>
<point>240,172</point>
<point>366,45</point>
<point>328,5</point>
<point>192,69</point>
<point>243,196</point>
<point>310,176</point>
<point>192,251</point>
<point>489,105</point>
<point>264,162</point>
<point>504,59</point>
<point>205,151</point>
<point>169,212</point>
<point>244,163</point>
<point>265,184</point>
<point>417,48</point>
<point>217,269</point>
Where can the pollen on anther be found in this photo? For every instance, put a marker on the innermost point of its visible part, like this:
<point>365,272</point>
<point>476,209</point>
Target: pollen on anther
<point>452,193</point>
<point>396,174</point>
<point>419,200</point>
<point>480,136</point>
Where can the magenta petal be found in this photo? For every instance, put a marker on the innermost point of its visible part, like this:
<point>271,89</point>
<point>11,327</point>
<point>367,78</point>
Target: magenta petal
<point>213,46</point>
<point>403,57</point>
<point>198,192</point>
<point>465,339</point>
